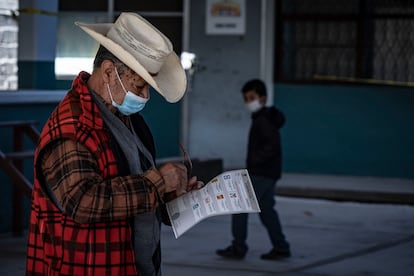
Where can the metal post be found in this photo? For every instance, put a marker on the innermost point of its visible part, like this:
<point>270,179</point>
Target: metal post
<point>185,108</point>
<point>110,10</point>
<point>17,194</point>
<point>267,46</point>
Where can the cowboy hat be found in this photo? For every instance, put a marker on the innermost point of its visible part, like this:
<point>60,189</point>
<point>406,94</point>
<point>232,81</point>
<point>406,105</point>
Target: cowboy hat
<point>144,49</point>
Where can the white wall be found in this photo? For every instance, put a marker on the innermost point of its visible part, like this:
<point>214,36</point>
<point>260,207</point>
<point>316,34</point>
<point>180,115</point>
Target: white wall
<point>219,121</point>
<point>8,45</point>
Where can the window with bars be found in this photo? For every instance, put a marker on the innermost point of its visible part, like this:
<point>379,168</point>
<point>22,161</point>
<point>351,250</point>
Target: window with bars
<point>368,41</point>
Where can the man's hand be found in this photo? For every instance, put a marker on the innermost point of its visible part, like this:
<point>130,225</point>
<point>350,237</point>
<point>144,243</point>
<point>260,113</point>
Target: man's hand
<point>175,177</point>
<point>194,184</point>
<point>176,182</point>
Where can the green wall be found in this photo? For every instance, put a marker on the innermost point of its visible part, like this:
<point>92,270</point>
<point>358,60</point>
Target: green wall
<point>348,130</point>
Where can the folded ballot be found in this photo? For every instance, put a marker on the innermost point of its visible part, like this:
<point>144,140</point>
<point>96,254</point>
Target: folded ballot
<point>230,192</point>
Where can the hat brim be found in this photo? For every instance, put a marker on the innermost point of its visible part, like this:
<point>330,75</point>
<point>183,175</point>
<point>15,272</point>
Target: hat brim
<point>170,82</point>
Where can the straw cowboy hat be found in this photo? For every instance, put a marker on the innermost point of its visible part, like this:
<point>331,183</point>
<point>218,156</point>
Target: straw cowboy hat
<point>144,49</point>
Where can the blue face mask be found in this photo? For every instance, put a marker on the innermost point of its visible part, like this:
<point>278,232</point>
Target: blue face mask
<point>132,103</point>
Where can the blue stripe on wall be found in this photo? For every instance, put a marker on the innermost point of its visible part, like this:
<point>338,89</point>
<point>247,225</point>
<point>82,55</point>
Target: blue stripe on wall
<point>353,130</point>
<point>39,75</point>
<point>163,119</point>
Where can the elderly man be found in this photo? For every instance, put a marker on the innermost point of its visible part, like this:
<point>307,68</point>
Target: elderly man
<point>98,195</point>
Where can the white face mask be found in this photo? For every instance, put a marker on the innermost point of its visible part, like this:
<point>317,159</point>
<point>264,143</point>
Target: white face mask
<point>132,103</point>
<point>254,106</point>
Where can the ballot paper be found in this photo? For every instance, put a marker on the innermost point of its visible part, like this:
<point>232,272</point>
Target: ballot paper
<point>230,192</point>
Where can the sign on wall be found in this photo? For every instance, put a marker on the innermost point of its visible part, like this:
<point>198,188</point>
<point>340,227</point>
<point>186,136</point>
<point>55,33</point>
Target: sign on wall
<point>225,17</point>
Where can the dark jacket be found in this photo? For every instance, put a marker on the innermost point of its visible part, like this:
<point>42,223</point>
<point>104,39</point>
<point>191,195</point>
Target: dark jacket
<point>264,153</point>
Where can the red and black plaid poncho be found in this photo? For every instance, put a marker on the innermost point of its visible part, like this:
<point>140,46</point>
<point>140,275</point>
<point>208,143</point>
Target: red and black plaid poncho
<point>57,245</point>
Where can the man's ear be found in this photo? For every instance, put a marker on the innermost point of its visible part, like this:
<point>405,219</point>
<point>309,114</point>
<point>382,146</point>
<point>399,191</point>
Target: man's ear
<point>107,69</point>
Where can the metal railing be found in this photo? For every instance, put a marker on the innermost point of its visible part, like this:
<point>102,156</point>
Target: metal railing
<point>12,164</point>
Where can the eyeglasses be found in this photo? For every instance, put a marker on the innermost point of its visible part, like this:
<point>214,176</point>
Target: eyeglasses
<point>187,161</point>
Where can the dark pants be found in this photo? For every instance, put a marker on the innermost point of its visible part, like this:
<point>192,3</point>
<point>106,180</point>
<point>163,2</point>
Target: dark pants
<point>264,188</point>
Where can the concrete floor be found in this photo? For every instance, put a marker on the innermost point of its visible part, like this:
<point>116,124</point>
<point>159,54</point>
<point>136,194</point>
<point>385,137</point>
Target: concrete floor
<point>327,238</point>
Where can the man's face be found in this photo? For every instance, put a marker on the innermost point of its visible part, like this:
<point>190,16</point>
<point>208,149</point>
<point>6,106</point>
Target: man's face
<point>133,82</point>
